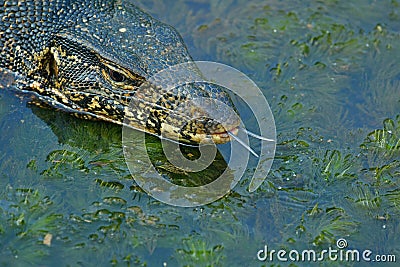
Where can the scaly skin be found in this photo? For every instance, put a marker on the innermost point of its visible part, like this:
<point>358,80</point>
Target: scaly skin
<point>94,58</point>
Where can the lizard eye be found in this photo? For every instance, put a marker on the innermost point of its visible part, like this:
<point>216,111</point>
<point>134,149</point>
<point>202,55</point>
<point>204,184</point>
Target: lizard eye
<point>116,76</point>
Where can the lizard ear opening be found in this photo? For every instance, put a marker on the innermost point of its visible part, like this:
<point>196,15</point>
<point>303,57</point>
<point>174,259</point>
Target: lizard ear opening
<point>48,66</point>
<point>52,67</point>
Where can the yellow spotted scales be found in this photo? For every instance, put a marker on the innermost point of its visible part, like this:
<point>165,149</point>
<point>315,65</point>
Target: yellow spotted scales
<point>95,59</point>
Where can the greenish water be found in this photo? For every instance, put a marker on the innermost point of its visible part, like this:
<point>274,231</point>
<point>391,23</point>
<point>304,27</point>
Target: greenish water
<point>331,73</point>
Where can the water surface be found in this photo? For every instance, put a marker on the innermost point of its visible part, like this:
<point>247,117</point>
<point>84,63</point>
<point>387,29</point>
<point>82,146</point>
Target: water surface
<point>331,72</point>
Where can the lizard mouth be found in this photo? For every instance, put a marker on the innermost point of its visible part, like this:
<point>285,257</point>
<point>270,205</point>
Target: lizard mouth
<point>224,136</point>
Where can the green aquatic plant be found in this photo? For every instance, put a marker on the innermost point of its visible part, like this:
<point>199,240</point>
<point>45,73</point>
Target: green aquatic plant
<point>28,221</point>
<point>62,160</point>
<point>196,252</point>
<point>387,173</point>
<point>335,166</point>
<point>394,199</point>
<point>365,197</point>
<point>381,148</point>
<point>384,141</point>
<point>324,226</point>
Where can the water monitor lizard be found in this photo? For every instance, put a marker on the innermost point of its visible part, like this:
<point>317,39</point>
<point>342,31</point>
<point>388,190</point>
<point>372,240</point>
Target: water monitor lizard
<point>89,57</point>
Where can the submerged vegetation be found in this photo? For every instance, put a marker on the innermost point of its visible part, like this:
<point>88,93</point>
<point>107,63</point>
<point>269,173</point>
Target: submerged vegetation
<point>331,73</point>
